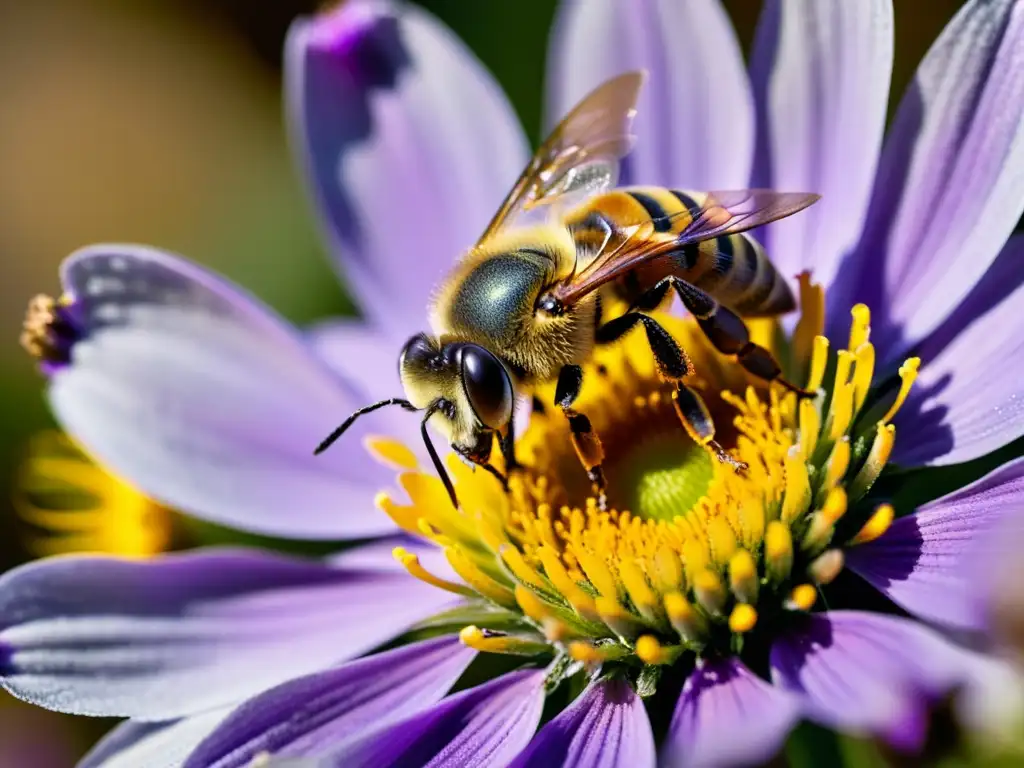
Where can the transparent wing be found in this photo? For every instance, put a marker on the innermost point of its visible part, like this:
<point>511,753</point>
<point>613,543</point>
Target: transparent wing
<point>721,213</point>
<point>581,156</point>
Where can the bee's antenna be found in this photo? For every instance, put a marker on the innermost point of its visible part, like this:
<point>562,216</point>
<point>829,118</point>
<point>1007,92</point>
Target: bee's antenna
<point>331,438</point>
<point>433,408</point>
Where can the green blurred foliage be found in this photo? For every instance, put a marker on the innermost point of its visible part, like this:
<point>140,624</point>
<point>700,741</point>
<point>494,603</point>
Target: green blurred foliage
<point>160,122</point>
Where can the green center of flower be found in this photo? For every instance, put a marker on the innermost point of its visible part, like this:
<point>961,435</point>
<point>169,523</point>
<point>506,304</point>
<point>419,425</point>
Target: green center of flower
<point>704,550</point>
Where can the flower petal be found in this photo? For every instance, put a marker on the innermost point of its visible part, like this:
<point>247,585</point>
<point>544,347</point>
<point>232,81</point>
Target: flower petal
<point>950,184</point>
<point>180,634</point>
<point>203,398</point>
<point>408,143</point>
<point>872,673</point>
<point>154,745</point>
<point>935,562</point>
<point>695,119</point>
<point>605,727</point>
<point>309,715</point>
<point>821,82</point>
<point>486,725</point>
<point>726,715</point>
<point>968,399</point>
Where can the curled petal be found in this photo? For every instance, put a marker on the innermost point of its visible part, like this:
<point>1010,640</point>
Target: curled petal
<point>694,128</point>
<point>605,727</point>
<point>408,143</point>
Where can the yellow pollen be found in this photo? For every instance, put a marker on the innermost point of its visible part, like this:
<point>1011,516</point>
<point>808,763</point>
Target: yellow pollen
<point>743,618</point>
<point>803,597</point>
<point>585,652</point>
<point>413,566</point>
<point>391,452</point>
<point>876,525</point>
<point>488,641</point>
<point>908,375</point>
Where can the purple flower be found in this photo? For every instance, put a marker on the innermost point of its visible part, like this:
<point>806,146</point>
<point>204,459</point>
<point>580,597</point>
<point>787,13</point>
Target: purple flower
<point>203,398</point>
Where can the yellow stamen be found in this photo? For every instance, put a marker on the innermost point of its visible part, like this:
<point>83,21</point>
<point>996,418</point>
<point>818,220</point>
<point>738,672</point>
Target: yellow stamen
<point>478,580</point>
<point>812,320</point>
<point>798,488</point>
<point>840,412</point>
<point>837,464</point>
<point>391,452</point>
<point>835,505</point>
<point>803,597</point>
<point>743,576</point>
<point>685,619</point>
<point>778,551</point>
<point>624,623</point>
<point>876,525</point>
<point>709,591</point>
<point>668,569</point>
<point>743,618</point>
<point>908,375</point>
<point>810,428</point>
<point>531,605</point>
<point>819,360</point>
<point>826,566</point>
<point>650,651</point>
<point>598,574</point>
<point>639,590</point>
<point>863,372</point>
<point>723,540</point>
<point>413,566</point>
<point>878,456</point>
<point>577,598</point>
<point>489,641</point>
<point>585,652</point>
<point>516,563</point>
<point>860,328</point>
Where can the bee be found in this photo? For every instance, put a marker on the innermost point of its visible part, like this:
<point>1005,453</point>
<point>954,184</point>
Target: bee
<point>527,305</point>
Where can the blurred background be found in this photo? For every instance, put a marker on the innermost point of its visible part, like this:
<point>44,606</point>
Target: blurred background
<point>159,121</point>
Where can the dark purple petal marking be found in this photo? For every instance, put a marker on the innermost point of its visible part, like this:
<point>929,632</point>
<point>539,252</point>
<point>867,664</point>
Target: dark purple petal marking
<point>181,634</point>
<point>313,715</point>
<point>605,727</point>
<point>868,673</point>
<point>939,563</point>
<point>949,189</point>
<point>821,81</point>
<point>726,715</point>
<point>486,725</point>
<point>408,144</point>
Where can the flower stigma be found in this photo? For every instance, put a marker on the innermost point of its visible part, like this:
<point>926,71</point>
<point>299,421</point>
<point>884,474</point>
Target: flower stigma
<point>693,556</point>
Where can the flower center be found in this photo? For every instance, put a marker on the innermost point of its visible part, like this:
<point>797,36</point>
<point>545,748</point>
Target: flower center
<point>692,553</point>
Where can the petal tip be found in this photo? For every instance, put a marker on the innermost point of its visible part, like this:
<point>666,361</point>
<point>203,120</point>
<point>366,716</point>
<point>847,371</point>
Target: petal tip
<point>362,37</point>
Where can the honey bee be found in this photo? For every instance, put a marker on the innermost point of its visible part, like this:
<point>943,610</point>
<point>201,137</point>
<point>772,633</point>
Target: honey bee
<point>530,301</point>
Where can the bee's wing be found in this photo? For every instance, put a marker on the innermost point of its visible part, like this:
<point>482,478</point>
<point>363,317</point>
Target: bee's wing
<point>721,213</point>
<point>581,156</point>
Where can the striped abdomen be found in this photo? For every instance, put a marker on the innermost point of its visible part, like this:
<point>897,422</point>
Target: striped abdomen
<point>732,268</point>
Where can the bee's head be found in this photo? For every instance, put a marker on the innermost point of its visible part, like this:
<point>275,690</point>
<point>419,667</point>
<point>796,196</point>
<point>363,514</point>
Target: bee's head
<point>470,388</point>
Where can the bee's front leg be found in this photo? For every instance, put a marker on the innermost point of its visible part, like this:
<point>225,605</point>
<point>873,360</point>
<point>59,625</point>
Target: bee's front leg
<point>584,439</point>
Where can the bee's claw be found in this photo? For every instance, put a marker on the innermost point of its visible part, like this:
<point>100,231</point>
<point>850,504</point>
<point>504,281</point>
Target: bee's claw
<point>726,458</point>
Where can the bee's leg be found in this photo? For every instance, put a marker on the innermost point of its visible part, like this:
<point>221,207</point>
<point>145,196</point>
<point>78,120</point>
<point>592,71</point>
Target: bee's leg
<point>507,442</point>
<point>673,365</point>
<point>584,439</point>
<point>728,333</point>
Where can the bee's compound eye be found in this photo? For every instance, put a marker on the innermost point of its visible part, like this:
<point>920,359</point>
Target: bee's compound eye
<point>487,386</point>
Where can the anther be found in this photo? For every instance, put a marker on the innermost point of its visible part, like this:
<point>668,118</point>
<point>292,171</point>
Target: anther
<point>798,487</point>
<point>836,465</point>
<point>876,525</point>
<point>686,619</point>
<point>811,324</point>
<point>742,619</point>
<point>489,641</point>
<point>778,552</point>
<point>878,456</point>
<point>819,360</point>
<point>710,592</point>
<point>863,373</point>
<point>860,328</point>
<point>810,427</point>
<point>802,598</point>
<point>743,577</point>
<point>908,375</point>
<point>640,592</point>
<point>650,651</point>
<point>413,566</point>
<point>826,566</point>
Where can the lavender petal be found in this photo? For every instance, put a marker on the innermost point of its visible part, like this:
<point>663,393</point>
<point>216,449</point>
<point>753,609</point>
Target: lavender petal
<point>727,716</point>
<point>204,399</point>
<point>605,727</point>
<point>950,184</point>
<point>821,83</point>
<point>487,725</point>
<point>967,400</point>
<point>694,127</point>
<point>408,143</point>
<point>869,673</point>
<point>935,563</point>
<point>181,634</point>
<point>310,716</point>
